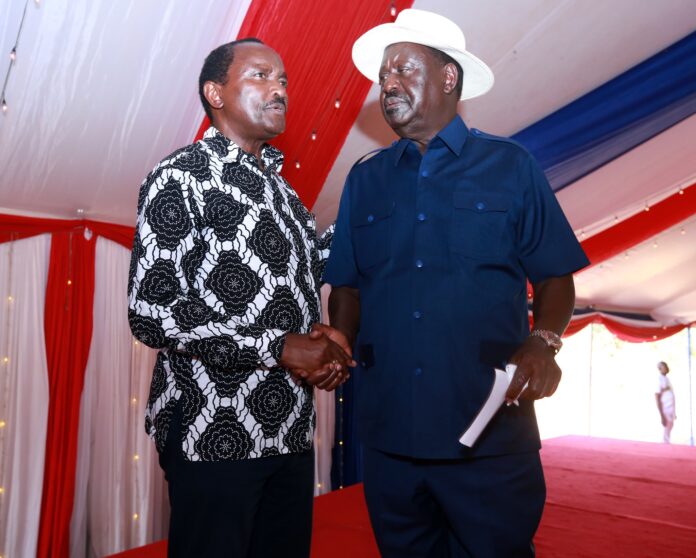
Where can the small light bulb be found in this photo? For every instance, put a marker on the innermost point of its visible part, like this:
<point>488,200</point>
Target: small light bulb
<point>297,164</point>
<point>392,11</point>
<point>655,244</point>
<point>4,106</point>
<point>337,104</point>
<point>136,343</point>
<point>136,457</point>
<point>13,54</point>
<point>681,191</point>
<point>340,443</point>
<point>135,517</point>
<point>2,490</point>
<point>683,231</point>
<point>10,298</point>
<point>69,281</point>
<point>6,360</point>
<point>318,485</point>
<point>134,400</point>
<point>314,136</point>
<point>2,424</point>
<point>340,399</point>
<point>626,256</point>
<point>616,218</point>
<point>647,207</point>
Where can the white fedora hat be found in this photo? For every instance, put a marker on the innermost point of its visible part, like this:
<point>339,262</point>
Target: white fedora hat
<point>423,28</point>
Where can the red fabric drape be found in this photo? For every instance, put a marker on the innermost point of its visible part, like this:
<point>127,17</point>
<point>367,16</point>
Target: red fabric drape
<point>16,227</point>
<point>68,331</point>
<point>626,332</point>
<point>641,226</point>
<point>314,38</point>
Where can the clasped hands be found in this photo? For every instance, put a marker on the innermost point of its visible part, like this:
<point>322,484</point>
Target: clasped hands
<point>319,358</point>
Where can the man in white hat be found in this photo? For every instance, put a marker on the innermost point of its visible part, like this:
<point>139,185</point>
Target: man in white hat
<point>435,241</point>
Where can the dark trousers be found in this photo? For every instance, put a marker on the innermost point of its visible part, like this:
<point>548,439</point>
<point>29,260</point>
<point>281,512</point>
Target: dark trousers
<point>248,508</point>
<point>488,507</point>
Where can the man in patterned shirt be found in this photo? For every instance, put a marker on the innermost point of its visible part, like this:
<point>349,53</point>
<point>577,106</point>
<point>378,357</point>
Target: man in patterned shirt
<point>224,280</point>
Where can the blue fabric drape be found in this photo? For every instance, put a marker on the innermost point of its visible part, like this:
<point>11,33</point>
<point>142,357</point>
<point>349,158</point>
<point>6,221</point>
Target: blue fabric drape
<point>617,116</point>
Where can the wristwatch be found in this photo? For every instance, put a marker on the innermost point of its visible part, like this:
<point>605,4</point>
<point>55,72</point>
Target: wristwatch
<point>552,339</point>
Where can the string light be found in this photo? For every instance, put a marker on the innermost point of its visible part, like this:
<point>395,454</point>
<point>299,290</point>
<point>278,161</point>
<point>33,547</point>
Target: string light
<point>69,282</point>
<point>13,57</point>
<point>134,400</point>
<point>337,103</point>
<point>136,343</point>
<point>314,135</point>
<point>2,424</point>
<point>392,10</point>
<point>647,207</point>
<point>681,191</point>
<point>10,298</point>
<point>2,490</point>
<point>682,231</point>
<point>6,360</point>
<point>655,244</point>
<point>136,457</point>
<point>135,517</point>
<point>297,164</point>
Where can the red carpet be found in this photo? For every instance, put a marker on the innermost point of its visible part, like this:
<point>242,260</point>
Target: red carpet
<point>606,498</point>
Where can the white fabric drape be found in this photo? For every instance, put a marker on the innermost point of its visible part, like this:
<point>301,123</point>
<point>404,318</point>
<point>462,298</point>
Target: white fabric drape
<point>23,392</point>
<point>117,473</point>
<point>324,431</point>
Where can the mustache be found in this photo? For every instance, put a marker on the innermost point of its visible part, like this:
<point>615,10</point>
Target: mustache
<point>277,101</point>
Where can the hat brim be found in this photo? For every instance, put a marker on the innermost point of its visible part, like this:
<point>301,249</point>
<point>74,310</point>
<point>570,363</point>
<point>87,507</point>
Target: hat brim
<point>368,52</point>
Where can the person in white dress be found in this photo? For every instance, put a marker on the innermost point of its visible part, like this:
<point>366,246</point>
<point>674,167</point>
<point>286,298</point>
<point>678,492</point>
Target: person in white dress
<point>665,401</point>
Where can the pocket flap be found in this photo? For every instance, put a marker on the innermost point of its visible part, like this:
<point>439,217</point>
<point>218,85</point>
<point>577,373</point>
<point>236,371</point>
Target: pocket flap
<point>366,216</point>
<point>481,202</point>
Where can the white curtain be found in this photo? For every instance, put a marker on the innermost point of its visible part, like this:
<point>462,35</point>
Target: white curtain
<point>23,392</point>
<point>324,432</point>
<point>120,499</point>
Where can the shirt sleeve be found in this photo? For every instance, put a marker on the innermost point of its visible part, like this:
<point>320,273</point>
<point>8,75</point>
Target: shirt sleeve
<point>170,305</point>
<point>341,270</point>
<point>548,245</point>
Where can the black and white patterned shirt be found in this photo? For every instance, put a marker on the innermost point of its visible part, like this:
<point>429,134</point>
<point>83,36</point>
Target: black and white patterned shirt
<point>225,263</point>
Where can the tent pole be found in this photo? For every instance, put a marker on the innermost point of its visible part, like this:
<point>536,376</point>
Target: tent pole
<point>589,381</point>
<point>691,392</point>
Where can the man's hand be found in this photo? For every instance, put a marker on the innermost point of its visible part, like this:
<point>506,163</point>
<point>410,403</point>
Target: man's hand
<point>316,358</point>
<point>535,364</point>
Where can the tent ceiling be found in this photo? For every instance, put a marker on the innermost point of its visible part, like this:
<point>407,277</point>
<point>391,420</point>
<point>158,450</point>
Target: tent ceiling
<point>101,91</point>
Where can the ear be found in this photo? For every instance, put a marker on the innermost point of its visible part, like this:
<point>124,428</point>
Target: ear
<point>450,75</point>
<point>211,90</point>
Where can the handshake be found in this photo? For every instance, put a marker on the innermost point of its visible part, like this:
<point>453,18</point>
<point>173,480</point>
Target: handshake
<point>319,358</point>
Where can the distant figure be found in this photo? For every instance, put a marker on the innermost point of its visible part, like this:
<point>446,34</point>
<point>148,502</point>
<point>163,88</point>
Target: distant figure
<point>665,401</point>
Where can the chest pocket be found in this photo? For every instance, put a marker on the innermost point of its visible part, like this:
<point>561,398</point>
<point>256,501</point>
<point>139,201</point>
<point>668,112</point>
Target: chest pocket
<point>371,227</point>
<point>480,225</point>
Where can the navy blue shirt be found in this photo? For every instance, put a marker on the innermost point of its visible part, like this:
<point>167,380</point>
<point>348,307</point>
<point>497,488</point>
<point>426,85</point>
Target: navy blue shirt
<point>441,247</point>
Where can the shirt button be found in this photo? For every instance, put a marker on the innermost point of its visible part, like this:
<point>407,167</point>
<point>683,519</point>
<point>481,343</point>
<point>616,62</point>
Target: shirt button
<point>417,314</point>
<point>480,206</point>
<point>419,264</point>
<point>418,371</point>
<point>370,218</point>
<point>421,217</point>
<point>425,174</point>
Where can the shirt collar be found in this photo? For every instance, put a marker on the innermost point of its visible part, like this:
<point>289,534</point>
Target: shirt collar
<point>229,151</point>
<point>453,136</point>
